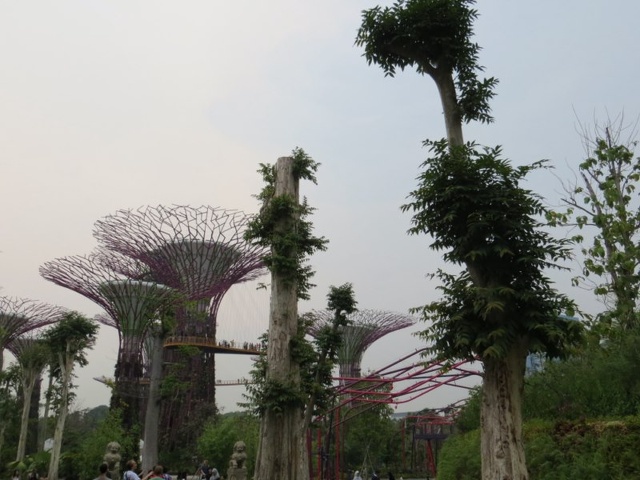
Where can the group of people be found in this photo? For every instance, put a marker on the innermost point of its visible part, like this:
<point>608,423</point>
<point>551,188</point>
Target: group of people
<point>374,476</point>
<point>206,472</point>
<point>32,475</point>
<point>157,472</point>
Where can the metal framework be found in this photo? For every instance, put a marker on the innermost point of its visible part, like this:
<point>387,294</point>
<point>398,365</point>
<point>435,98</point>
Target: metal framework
<point>199,252</point>
<point>131,306</point>
<point>402,381</point>
<point>20,315</point>
<point>365,327</point>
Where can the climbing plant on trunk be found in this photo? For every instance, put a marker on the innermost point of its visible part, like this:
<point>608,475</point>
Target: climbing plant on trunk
<point>501,306</point>
<point>282,225</point>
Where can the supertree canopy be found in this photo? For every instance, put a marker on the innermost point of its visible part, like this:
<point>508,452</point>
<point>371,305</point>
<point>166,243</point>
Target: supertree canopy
<point>198,251</point>
<point>131,306</point>
<point>201,253</point>
<point>364,328</point>
<point>19,316</point>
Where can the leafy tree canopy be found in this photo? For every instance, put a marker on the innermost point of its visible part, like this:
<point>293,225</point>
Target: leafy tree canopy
<point>471,202</point>
<point>434,36</point>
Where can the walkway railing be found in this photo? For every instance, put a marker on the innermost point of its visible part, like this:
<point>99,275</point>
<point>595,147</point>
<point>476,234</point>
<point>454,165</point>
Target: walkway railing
<point>221,346</point>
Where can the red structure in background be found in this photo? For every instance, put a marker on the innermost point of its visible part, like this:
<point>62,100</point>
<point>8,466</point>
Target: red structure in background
<point>394,384</point>
<point>430,428</point>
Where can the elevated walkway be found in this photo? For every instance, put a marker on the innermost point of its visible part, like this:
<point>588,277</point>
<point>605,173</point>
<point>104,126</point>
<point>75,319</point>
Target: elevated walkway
<point>208,343</point>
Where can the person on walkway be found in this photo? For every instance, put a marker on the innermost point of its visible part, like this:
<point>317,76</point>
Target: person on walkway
<point>357,476</point>
<point>391,476</point>
<point>215,475</point>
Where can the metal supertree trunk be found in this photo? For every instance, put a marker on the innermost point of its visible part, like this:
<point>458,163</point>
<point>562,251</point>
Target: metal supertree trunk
<point>201,253</point>
<point>131,306</point>
<point>365,327</point>
<point>19,316</point>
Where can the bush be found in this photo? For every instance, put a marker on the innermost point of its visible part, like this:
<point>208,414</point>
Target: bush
<point>557,451</point>
<point>459,458</point>
<point>217,440</point>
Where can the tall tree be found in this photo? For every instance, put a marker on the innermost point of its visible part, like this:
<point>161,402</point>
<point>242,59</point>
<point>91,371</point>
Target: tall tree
<point>32,356</point>
<point>282,226</point>
<point>68,341</point>
<point>604,204</point>
<point>500,306</point>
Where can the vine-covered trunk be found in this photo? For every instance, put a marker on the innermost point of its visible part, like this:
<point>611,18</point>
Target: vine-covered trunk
<point>152,412</point>
<point>281,453</point>
<point>66,368</point>
<point>501,416</point>
<point>27,390</point>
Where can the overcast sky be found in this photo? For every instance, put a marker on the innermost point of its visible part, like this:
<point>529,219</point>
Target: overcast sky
<point>117,104</point>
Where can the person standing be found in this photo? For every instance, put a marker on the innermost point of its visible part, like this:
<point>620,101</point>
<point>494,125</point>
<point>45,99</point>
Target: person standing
<point>204,471</point>
<point>130,472</point>
<point>104,469</point>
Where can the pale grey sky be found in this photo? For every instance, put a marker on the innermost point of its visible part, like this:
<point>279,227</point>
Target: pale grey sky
<point>118,104</point>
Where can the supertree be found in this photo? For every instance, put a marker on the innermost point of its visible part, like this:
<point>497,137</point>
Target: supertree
<point>131,306</point>
<point>20,315</point>
<point>201,253</point>
<point>364,328</point>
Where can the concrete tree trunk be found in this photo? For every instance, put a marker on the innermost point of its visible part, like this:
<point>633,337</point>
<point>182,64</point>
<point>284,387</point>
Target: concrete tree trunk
<point>501,443</point>
<point>501,417</point>
<point>28,384</point>
<point>66,369</point>
<point>152,413</point>
<point>281,453</point>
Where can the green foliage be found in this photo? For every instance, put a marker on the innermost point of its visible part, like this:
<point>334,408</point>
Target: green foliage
<point>434,36</point>
<point>606,204</point>
<point>316,360</point>
<point>370,436</point>
<point>217,440</point>
<point>94,442</point>
<point>564,450</point>
<point>282,226</point>
<point>9,413</point>
<point>71,337</point>
<point>469,417</point>
<point>37,462</point>
<point>460,457</point>
<point>600,382</point>
<point>471,202</point>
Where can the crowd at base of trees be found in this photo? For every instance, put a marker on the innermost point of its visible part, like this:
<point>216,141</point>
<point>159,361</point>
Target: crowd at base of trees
<point>370,440</point>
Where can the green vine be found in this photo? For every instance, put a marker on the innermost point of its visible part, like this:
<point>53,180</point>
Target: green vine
<point>291,247</point>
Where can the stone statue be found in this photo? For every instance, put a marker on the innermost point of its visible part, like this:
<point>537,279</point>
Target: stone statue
<point>237,469</point>
<point>112,459</point>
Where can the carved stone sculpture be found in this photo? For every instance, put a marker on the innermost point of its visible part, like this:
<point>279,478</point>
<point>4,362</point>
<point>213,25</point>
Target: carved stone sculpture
<point>237,470</point>
<point>112,459</point>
